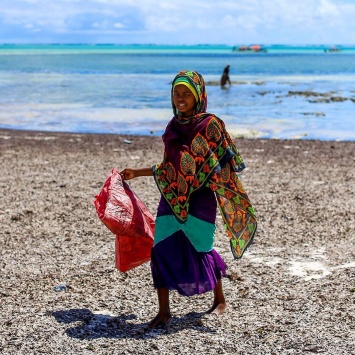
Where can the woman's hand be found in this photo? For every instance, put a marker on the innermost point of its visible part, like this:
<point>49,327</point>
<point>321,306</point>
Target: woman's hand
<point>128,174</point>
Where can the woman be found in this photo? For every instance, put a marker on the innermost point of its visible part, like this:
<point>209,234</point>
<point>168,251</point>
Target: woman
<point>198,172</point>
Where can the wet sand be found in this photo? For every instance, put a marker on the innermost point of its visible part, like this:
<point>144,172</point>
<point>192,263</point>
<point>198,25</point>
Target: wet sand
<point>293,292</point>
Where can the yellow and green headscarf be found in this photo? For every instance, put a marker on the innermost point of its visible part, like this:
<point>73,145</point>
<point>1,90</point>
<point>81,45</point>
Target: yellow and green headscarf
<point>194,81</point>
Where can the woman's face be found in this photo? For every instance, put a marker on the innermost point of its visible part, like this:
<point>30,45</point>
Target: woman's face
<point>184,100</point>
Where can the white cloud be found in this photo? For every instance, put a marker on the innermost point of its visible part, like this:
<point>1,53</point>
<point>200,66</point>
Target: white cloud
<point>182,21</point>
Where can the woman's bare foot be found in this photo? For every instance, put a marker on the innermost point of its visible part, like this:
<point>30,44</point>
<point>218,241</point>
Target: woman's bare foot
<point>160,320</point>
<point>218,308</point>
<point>219,302</point>
<point>163,316</point>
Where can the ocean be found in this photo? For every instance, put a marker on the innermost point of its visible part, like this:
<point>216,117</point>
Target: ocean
<point>283,92</point>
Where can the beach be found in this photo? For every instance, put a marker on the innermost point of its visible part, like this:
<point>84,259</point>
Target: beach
<point>293,292</point>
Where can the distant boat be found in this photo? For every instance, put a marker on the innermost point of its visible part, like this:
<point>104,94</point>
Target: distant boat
<point>252,48</point>
<point>332,49</point>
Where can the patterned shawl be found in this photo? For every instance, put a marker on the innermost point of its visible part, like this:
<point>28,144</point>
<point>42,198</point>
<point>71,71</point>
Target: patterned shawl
<point>199,152</point>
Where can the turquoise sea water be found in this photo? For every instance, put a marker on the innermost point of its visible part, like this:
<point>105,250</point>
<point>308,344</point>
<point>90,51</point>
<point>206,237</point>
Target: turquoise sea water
<point>126,89</point>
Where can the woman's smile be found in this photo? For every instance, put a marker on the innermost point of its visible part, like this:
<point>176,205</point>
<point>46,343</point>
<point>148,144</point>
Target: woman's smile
<point>184,100</point>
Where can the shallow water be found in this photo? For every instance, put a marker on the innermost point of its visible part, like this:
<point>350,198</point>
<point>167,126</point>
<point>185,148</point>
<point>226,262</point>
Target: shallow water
<point>126,89</point>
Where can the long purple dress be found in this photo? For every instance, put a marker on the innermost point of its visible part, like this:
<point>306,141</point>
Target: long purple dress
<point>176,264</point>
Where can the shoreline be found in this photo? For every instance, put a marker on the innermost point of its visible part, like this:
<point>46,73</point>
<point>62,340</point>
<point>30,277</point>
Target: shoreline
<point>247,135</point>
<point>292,292</point>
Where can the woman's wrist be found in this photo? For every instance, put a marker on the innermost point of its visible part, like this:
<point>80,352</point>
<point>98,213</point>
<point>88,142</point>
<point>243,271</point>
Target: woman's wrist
<point>143,172</point>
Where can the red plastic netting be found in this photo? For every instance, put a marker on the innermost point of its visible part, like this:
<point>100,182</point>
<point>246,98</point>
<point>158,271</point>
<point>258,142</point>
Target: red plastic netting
<point>125,215</point>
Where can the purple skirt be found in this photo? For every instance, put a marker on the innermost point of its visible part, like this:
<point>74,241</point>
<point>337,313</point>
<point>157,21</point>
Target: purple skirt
<point>175,263</point>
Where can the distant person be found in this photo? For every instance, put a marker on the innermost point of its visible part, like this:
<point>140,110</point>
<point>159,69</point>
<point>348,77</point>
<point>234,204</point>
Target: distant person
<point>199,171</point>
<point>225,77</point>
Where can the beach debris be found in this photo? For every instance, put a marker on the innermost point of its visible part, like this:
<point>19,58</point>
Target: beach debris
<point>127,141</point>
<point>61,287</point>
<point>258,82</point>
<point>321,97</point>
<point>308,93</point>
<point>235,276</point>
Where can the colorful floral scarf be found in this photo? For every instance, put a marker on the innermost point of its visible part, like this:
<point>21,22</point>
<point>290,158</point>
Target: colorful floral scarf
<point>199,152</point>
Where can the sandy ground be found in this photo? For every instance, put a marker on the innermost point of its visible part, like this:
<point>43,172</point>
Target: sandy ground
<point>293,292</point>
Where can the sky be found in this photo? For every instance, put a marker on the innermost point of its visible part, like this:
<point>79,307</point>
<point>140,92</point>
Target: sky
<point>229,22</point>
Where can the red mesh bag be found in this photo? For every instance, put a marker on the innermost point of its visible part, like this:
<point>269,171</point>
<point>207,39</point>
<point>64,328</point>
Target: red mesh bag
<point>125,215</point>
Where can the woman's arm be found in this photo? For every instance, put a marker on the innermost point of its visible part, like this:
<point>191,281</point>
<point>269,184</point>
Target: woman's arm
<point>128,174</point>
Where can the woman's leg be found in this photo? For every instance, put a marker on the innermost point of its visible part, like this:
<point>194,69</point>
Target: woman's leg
<point>163,315</point>
<point>219,302</point>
